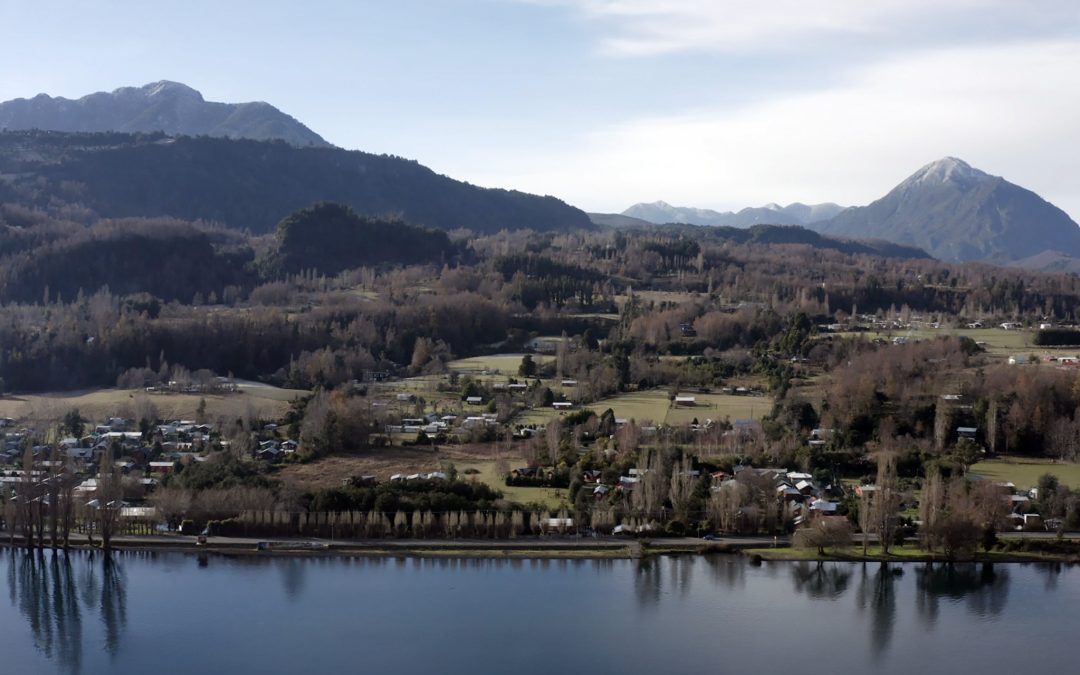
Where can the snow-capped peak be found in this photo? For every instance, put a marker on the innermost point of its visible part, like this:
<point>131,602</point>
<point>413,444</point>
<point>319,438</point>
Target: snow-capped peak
<point>945,170</point>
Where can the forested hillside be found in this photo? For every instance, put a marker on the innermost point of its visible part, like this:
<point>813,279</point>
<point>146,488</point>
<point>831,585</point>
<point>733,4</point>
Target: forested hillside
<point>330,238</point>
<point>248,184</point>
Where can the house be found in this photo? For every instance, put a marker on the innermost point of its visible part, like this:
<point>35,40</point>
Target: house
<point>591,476</point>
<point>823,506</point>
<point>544,345</point>
<point>474,400</point>
<point>562,405</point>
<point>1019,360</point>
<point>865,490</point>
<point>688,401</point>
<point>269,454</point>
<point>161,467</point>
<point>290,446</point>
<point>687,330</point>
<point>966,432</point>
<point>568,383</point>
<point>1033,521</point>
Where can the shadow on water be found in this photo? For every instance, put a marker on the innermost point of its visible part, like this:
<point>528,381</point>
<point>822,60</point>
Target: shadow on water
<point>820,581</point>
<point>56,590</point>
<point>876,593</point>
<point>984,587</point>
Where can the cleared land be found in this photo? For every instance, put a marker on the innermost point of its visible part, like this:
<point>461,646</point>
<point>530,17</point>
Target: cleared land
<point>328,472</point>
<point>653,405</point>
<point>1024,472</point>
<point>262,401</point>
<point>502,364</point>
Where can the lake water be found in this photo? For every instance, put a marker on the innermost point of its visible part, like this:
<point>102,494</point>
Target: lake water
<point>181,613</point>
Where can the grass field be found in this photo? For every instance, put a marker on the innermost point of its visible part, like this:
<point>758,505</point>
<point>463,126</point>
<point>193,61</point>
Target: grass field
<point>328,472</point>
<point>677,297</point>
<point>552,498</point>
<point>1024,472</point>
<point>505,364</point>
<point>997,342</point>
<point>653,406</point>
<point>264,401</point>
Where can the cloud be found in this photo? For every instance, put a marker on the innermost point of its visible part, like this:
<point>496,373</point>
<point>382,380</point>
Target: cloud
<point>1009,110</point>
<point>650,27</point>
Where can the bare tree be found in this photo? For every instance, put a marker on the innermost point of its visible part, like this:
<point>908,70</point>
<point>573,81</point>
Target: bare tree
<point>931,507</point>
<point>109,496</point>
<point>682,486</point>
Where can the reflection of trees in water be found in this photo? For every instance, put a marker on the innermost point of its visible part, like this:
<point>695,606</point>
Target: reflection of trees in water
<point>826,582</point>
<point>113,603</point>
<point>47,589</point>
<point>726,570</point>
<point>292,577</point>
<point>985,588</point>
<point>877,593</point>
<point>647,582</point>
<point>1052,573</point>
<point>681,573</point>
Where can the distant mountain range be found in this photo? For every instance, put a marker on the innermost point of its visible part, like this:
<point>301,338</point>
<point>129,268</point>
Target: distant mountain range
<point>248,184</point>
<point>947,208</point>
<point>956,212</point>
<point>662,213</point>
<point>170,107</point>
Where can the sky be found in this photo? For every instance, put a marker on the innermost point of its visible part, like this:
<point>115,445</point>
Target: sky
<point>604,103</point>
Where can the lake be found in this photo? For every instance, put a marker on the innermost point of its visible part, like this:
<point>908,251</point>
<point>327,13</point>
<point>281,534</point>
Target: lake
<point>165,613</point>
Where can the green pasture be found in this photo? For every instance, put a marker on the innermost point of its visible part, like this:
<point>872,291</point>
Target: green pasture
<point>552,498</point>
<point>1024,472</point>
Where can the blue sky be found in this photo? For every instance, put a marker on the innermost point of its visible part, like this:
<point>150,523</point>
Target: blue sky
<point>710,103</point>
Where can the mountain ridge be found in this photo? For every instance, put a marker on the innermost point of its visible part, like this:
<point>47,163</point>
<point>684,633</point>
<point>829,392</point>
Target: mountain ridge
<point>170,107</point>
<point>796,213</point>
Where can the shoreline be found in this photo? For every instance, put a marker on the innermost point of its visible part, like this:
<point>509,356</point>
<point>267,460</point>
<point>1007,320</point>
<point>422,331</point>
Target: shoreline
<point>564,549</point>
<point>496,549</point>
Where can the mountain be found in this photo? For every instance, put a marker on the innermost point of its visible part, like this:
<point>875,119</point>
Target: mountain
<point>248,184</point>
<point>662,213</point>
<point>170,107</point>
<point>957,213</point>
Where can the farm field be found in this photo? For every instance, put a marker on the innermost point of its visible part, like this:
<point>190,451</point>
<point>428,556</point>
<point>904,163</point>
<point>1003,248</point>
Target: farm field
<point>550,497</point>
<point>997,342</point>
<point>502,364</point>
<point>653,406</point>
<point>1024,472</point>
<point>328,472</point>
<point>264,401</point>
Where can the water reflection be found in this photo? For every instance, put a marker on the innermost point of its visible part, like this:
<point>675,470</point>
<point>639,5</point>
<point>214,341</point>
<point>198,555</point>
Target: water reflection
<point>984,587</point>
<point>827,582</point>
<point>877,593</point>
<point>54,590</point>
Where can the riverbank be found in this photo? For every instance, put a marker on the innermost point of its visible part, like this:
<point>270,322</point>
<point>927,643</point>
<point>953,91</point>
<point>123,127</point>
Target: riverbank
<point>531,547</point>
<point>1068,553</point>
